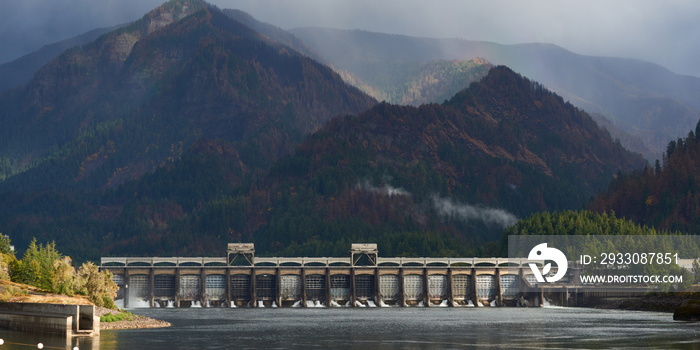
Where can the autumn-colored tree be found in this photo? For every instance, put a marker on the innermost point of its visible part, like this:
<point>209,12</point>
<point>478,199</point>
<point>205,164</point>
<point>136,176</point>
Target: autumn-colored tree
<point>63,277</point>
<point>44,267</point>
<point>98,285</point>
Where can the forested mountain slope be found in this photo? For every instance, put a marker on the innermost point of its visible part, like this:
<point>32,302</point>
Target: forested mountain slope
<point>141,96</point>
<point>640,98</point>
<point>666,196</point>
<point>188,130</point>
<point>432,180</point>
<point>21,70</point>
<point>460,172</point>
<point>185,91</point>
<point>404,82</point>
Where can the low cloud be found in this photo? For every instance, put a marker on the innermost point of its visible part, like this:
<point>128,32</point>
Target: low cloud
<point>385,189</point>
<point>448,208</point>
<point>664,32</point>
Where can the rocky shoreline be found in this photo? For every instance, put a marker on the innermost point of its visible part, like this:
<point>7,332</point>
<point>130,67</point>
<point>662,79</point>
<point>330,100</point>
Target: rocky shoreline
<point>138,322</point>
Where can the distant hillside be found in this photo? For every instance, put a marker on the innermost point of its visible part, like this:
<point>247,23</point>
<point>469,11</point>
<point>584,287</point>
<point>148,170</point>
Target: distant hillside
<point>141,96</point>
<point>20,71</point>
<point>641,104</point>
<point>506,119</point>
<point>187,130</point>
<point>431,180</point>
<point>666,196</point>
<point>399,82</point>
<point>641,99</point>
<point>459,172</point>
<point>414,83</point>
<point>414,178</point>
<point>187,92</point>
<point>437,180</point>
<point>275,33</point>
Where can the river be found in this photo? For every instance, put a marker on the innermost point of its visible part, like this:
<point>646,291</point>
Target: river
<point>391,328</point>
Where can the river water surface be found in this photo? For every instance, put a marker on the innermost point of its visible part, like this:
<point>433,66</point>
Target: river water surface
<point>392,328</point>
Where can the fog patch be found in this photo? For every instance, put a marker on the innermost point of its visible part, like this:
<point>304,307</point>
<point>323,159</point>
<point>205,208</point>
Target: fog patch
<point>387,190</point>
<point>448,208</point>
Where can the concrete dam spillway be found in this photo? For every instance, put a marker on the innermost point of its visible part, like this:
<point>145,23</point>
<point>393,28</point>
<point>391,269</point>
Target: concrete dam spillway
<point>363,279</point>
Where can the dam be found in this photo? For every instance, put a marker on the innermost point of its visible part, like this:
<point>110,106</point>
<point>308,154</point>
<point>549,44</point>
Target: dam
<point>360,280</point>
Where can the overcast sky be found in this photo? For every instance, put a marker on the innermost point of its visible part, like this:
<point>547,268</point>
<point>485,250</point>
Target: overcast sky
<point>664,32</point>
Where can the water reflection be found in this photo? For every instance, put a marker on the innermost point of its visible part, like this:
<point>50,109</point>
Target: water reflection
<point>402,328</point>
<point>24,341</point>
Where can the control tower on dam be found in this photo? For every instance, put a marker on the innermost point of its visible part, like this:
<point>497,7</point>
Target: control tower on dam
<point>362,279</point>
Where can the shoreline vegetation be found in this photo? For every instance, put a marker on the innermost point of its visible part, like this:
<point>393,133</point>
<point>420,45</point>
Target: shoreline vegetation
<point>45,276</point>
<point>121,319</point>
<point>44,267</point>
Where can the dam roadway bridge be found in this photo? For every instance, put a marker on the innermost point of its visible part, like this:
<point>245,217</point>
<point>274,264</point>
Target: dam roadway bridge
<point>363,279</point>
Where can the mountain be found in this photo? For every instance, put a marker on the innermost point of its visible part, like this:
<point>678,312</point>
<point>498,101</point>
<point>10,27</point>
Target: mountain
<point>188,129</point>
<point>640,98</point>
<point>430,180</point>
<point>459,172</point>
<point>641,104</point>
<point>667,196</point>
<point>422,181</point>
<point>275,33</point>
<point>505,119</point>
<point>21,70</point>
<point>397,82</point>
<point>141,96</point>
<point>413,83</point>
<point>185,95</point>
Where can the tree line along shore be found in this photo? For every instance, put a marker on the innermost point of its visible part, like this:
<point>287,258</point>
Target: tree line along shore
<point>44,275</point>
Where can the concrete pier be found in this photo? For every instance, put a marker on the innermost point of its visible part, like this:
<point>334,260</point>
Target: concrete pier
<point>60,319</point>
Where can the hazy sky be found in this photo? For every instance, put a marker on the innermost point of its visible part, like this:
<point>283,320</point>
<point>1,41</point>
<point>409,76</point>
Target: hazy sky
<point>664,32</point>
